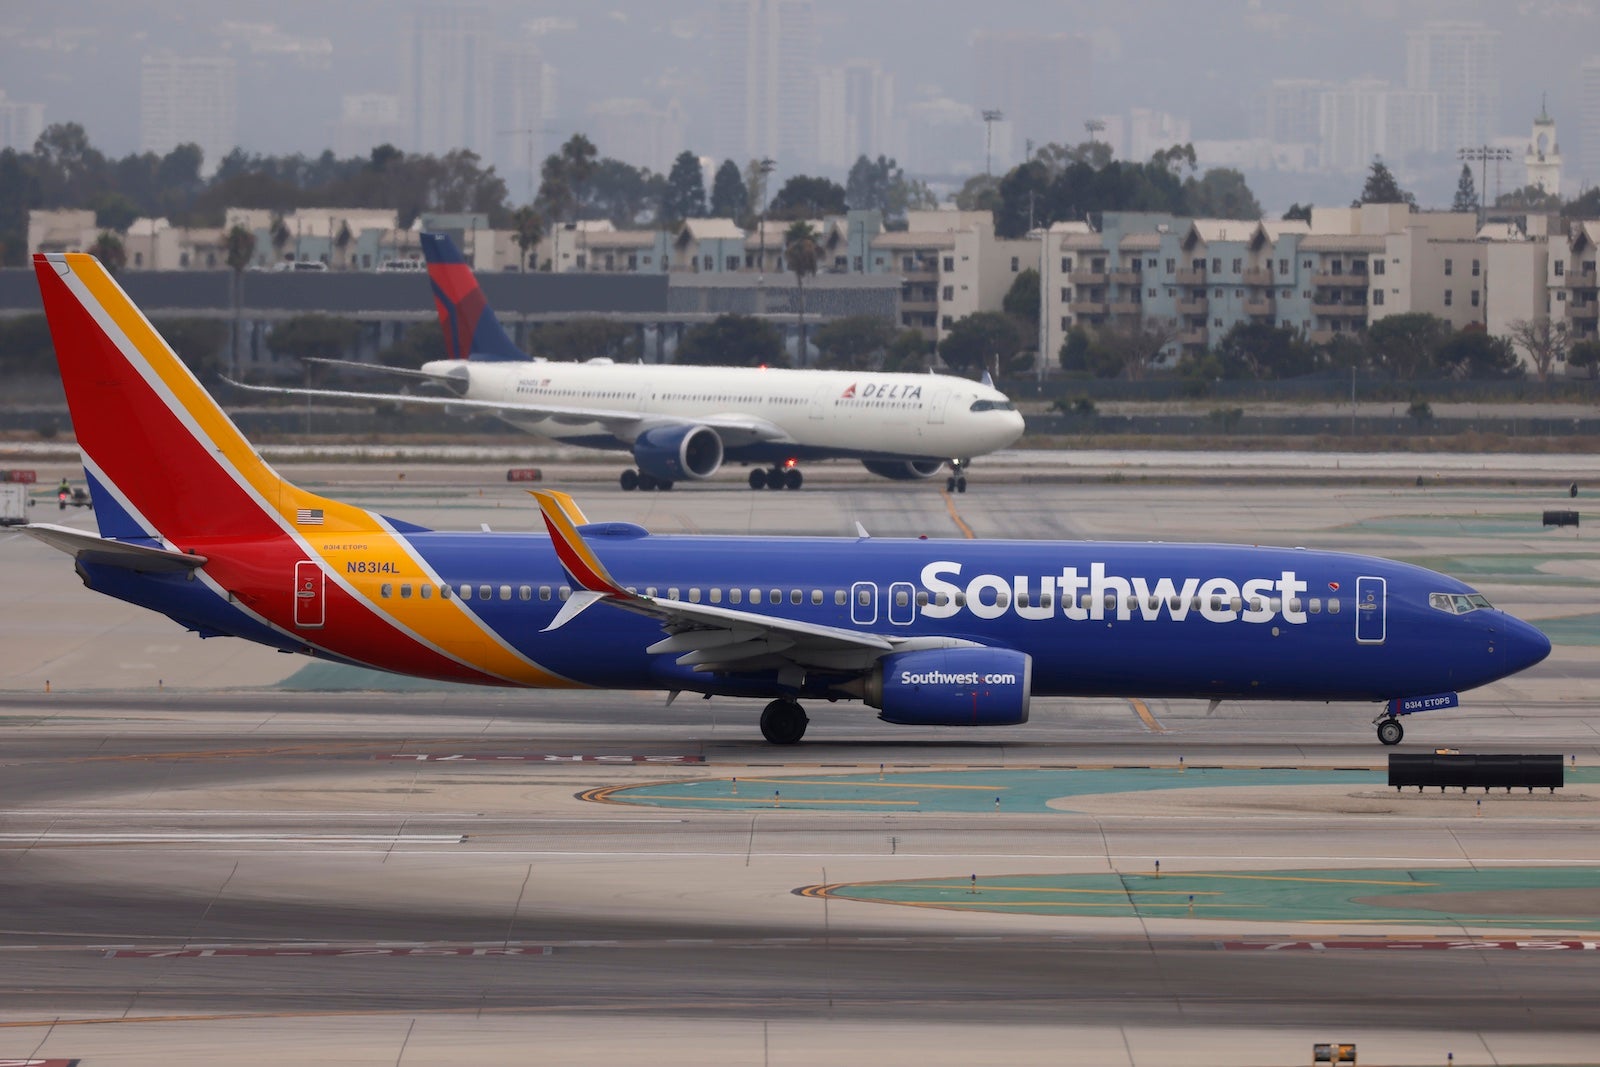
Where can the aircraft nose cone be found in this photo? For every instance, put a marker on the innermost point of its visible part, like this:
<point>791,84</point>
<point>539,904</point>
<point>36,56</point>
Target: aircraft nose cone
<point>1522,645</point>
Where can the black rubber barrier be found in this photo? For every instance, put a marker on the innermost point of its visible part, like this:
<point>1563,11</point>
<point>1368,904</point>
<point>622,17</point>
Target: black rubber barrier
<point>1561,518</point>
<point>1514,771</point>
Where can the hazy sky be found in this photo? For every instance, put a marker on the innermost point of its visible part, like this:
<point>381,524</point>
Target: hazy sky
<point>1199,59</point>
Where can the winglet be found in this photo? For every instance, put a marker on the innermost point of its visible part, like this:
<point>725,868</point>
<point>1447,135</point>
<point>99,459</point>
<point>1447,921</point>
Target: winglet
<point>576,556</point>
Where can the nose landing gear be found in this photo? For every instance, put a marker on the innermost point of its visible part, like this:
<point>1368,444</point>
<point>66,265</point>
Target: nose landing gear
<point>957,482</point>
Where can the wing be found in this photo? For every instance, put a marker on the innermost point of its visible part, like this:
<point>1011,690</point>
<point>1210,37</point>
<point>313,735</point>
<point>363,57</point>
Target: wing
<point>736,429</point>
<point>95,549</point>
<point>709,637</point>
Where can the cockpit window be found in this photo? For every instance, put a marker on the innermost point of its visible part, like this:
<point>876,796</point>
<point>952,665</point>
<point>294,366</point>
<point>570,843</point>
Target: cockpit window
<point>992,405</point>
<point>1457,603</point>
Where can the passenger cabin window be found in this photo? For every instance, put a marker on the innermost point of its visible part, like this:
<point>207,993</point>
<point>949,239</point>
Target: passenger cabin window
<point>425,591</point>
<point>839,597</point>
<point>736,596</point>
<point>1333,605</point>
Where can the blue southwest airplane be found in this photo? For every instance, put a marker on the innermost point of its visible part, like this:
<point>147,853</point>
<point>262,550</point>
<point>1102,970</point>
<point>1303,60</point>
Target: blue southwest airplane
<point>195,525</point>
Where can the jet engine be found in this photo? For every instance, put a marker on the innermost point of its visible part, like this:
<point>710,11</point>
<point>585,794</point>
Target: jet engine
<point>675,453</point>
<point>952,687</point>
<point>904,470</point>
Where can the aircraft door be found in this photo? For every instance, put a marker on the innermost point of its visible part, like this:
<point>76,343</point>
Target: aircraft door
<point>1371,610</point>
<point>309,603</point>
<point>864,603</point>
<point>819,403</point>
<point>936,406</point>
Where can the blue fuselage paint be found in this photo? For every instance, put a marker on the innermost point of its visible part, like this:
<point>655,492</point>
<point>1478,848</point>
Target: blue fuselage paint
<point>1191,640</point>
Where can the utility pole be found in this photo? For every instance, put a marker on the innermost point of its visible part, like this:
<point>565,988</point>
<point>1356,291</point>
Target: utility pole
<point>1481,155</point>
<point>990,117</point>
<point>764,168</point>
<point>1095,127</point>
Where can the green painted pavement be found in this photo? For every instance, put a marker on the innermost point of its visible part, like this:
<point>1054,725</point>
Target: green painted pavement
<point>1571,630</point>
<point>1527,522</point>
<point>1374,895</point>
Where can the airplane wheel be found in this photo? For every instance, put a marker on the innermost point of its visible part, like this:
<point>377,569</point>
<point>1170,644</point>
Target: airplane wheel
<point>758,479</point>
<point>1390,731</point>
<point>961,485</point>
<point>647,482</point>
<point>950,484</point>
<point>664,485</point>
<point>784,722</point>
<point>629,480</point>
<point>793,479</point>
<point>775,478</point>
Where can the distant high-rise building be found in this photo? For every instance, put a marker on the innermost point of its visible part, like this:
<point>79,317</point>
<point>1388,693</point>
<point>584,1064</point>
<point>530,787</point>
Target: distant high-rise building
<point>638,132</point>
<point>1364,119</point>
<point>1041,82</point>
<point>1589,123</point>
<point>522,110</point>
<point>448,72</point>
<point>765,82</point>
<point>189,100</point>
<point>1149,132</point>
<point>1290,111</point>
<point>366,120</point>
<point>855,114</point>
<point>1459,61</point>
<point>20,123</point>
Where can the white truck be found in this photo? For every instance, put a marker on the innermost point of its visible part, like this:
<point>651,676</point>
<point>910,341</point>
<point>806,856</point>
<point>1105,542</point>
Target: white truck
<point>13,504</point>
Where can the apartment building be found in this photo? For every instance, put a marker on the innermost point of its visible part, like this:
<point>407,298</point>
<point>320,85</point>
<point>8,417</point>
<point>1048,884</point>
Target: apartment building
<point>951,263</point>
<point>1574,286</point>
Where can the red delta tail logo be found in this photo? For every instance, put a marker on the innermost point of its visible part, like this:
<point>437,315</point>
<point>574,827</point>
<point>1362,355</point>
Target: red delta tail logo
<point>460,304</point>
<point>848,393</point>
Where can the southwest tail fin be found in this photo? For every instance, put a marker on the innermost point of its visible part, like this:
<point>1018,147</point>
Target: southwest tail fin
<point>166,466</point>
<point>470,329</point>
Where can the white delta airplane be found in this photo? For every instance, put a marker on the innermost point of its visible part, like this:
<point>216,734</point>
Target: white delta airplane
<point>682,423</point>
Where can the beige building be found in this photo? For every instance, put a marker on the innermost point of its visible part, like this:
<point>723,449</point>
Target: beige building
<point>952,264</point>
<point>1574,285</point>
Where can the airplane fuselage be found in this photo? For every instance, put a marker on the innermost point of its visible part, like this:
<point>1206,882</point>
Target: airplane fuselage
<point>821,414</point>
<point>1205,621</point>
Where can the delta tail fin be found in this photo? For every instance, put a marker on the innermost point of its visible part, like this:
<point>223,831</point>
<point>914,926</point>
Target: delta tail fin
<point>470,329</point>
<point>166,466</point>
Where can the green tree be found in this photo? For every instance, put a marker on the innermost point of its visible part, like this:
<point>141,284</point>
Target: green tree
<point>1259,350</point>
<point>908,352</point>
<point>729,198</point>
<point>1472,353</point>
<point>1407,345</point>
<point>1298,212</point>
<point>201,343</point>
<point>1586,206</point>
<point>238,246</point>
<point>685,196</point>
<point>108,249</point>
<point>315,336</point>
<point>984,340</point>
<point>1080,354</point>
<point>1529,198</point>
<point>877,184</point>
<point>732,341</point>
<point>19,193</point>
<point>805,197</point>
<point>981,192</point>
<point>1021,301</point>
<point>800,247</point>
<point>583,338</point>
<point>1381,188</point>
<point>853,342</point>
<point>114,212</point>
<point>1137,345</point>
<point>1466,199</point>
<point>1585,355</point>
<point>1545,340</point>
<point>1220,193</point>
<point>25,346</point>
<point>419,343</point>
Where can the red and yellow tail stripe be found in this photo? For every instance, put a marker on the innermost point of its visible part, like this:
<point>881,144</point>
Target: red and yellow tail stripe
<point>171,456</point>
<point>562,518</point>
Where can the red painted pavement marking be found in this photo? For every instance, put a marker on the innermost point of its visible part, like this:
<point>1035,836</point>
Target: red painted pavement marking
<point>470,757</point>
<point>1401,945</point>
<point>447,950</point>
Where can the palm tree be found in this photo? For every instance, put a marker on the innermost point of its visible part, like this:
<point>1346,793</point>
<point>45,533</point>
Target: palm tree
<point>800,245</point>
<point>527,231</point>
<point>239,245</point>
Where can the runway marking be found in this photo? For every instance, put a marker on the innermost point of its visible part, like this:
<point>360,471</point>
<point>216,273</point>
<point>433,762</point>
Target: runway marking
<point>490,757</point>
<point>1149,720</point>
<point>955,516</point>
<point>45,837</point>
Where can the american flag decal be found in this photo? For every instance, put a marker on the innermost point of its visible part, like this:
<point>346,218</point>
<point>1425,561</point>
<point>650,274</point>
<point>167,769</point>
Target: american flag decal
<point>308,517</point>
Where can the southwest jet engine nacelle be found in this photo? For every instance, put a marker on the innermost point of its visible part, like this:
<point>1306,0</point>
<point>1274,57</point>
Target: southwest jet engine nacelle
<point>904,470</point>
<point>952,687</point>
<point>674,453</point>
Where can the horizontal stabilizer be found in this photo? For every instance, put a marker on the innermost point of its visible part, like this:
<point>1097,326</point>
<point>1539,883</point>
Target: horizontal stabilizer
<point>91,548</point>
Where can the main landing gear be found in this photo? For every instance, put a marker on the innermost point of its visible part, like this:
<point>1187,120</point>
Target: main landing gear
<point>642,481</point>
<point>784,722</point>
<point>957,482</point>
<point>777,478</point>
